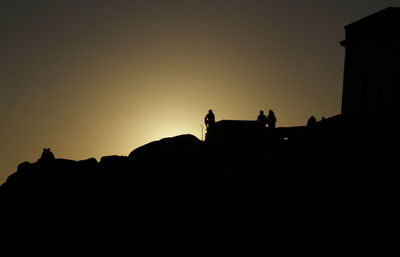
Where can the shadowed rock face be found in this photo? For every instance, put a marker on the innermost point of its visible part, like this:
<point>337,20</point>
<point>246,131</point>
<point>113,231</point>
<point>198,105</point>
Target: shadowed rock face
<point>179,147</point>
<point>292,192</point>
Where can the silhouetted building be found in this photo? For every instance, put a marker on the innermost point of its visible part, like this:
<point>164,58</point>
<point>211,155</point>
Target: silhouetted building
<point>371,106</point>
<point>235,131</point>
<point>250,133</point>
<point>371,83</point>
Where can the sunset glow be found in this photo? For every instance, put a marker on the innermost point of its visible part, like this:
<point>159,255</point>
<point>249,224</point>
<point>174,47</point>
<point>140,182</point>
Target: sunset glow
<point>105,77</point>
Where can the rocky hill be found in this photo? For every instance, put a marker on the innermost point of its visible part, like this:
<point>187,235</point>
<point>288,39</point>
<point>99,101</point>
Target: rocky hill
<point>291,195</point>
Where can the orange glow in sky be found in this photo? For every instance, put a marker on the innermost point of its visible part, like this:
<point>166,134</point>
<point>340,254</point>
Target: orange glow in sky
<point>96,78</point>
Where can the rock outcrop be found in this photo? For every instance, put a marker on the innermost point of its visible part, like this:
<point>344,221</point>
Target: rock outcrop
<point>293,195</point>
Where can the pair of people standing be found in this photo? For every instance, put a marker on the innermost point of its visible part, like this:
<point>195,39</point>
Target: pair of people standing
<point>209,120</point>
<point>264,120</point>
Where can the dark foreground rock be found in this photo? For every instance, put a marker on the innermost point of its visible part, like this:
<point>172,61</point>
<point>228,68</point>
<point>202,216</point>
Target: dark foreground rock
<point>291,196</point>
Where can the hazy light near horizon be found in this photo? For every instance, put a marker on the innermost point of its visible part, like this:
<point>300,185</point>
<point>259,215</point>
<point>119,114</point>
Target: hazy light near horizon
<point>102,78</point>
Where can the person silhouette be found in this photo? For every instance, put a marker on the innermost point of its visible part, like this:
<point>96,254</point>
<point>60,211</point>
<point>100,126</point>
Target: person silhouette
<point>312,122</point>
<point>271,119</point>
<point>209,120</point>
<point>262,119</point>
<point>47,156</point>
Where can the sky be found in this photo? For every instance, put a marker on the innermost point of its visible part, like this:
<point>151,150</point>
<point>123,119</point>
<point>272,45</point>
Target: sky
<point>95,78</point>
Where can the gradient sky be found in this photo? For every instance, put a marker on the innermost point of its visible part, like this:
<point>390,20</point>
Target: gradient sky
<point>96,78</point>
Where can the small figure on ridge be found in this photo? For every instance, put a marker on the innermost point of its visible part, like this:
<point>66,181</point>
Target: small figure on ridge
<point>209,120</point>
<point>312,122</point>
<point>262,119</point>
<point>271,119</point>
<point>47,156</point>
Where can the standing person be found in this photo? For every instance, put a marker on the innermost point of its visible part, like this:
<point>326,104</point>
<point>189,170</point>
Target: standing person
<point>262,119</point>
<point>312,122</point>
<point>271,119</point>
<point>312,125</point>
<point>209,120</point>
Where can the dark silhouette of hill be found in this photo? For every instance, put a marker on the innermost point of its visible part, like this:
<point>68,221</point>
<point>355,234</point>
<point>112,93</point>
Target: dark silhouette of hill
<point>292,195</point>
<point>325,189</point>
